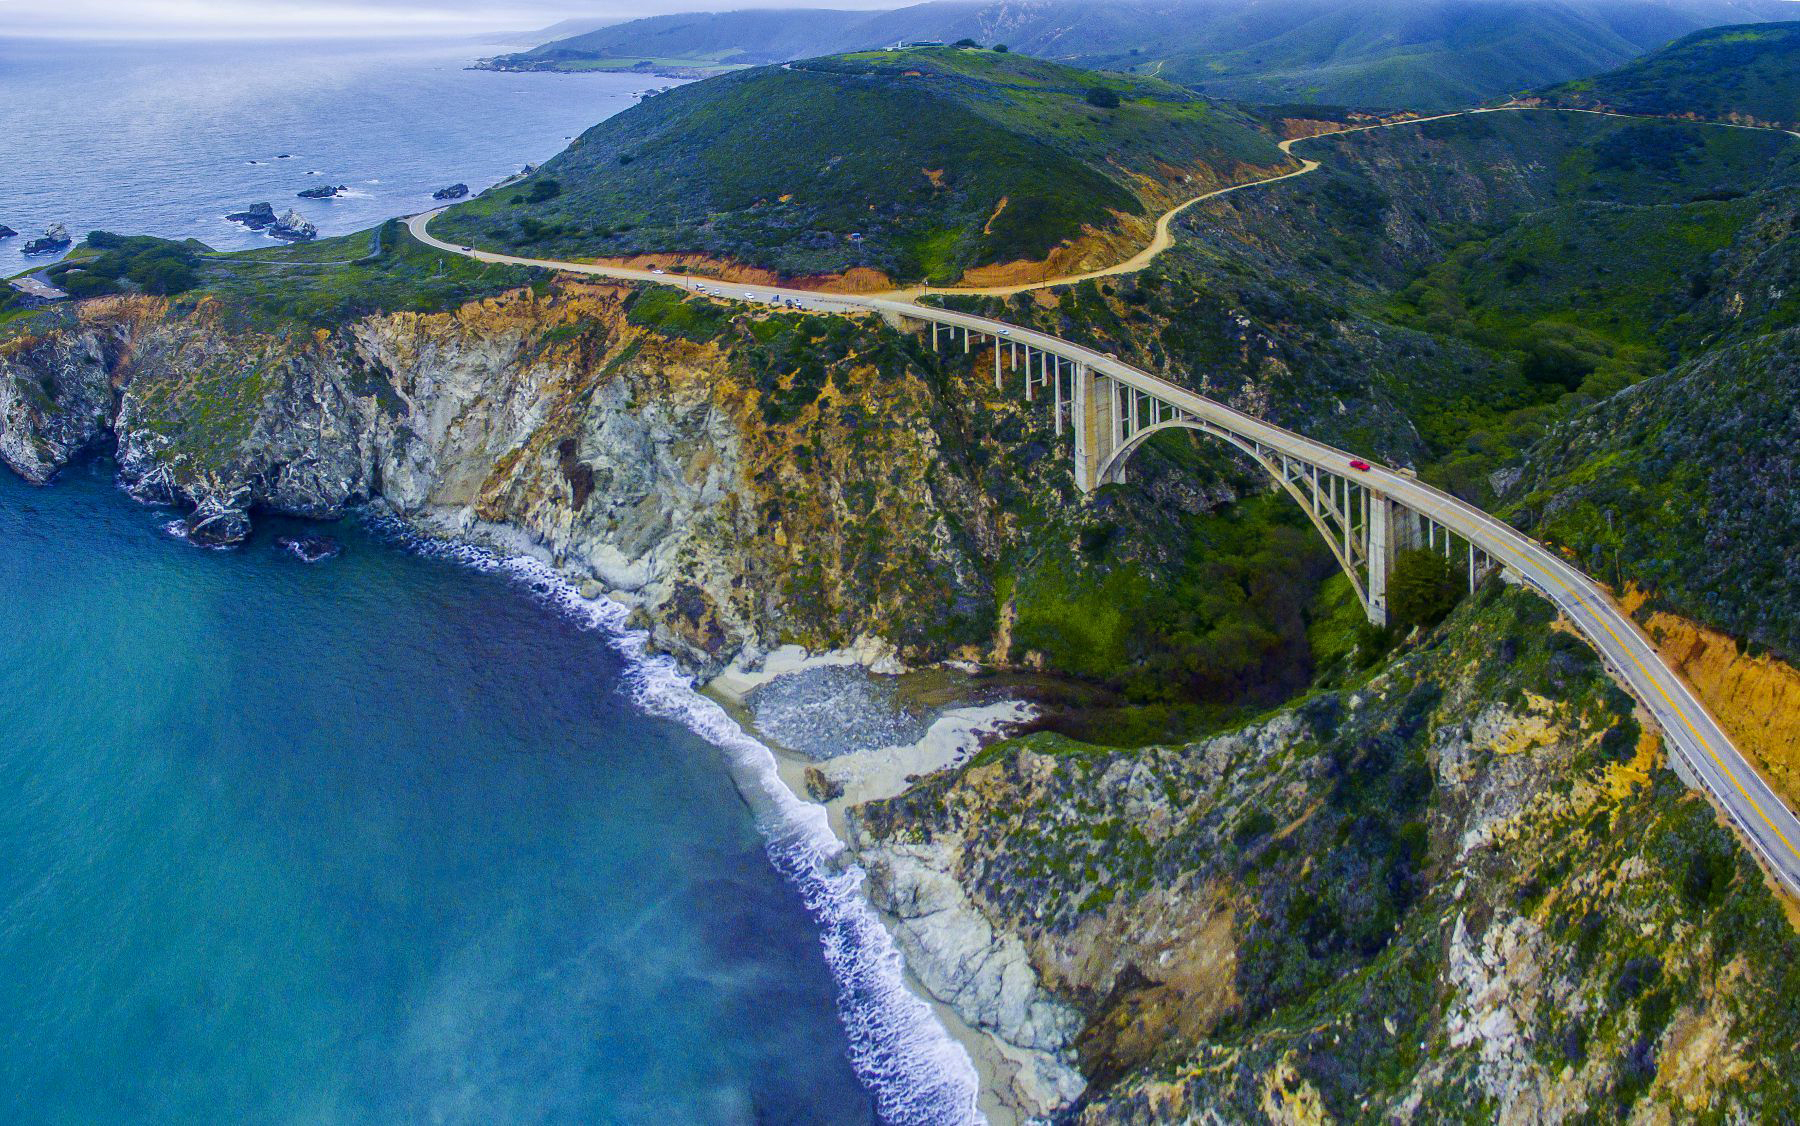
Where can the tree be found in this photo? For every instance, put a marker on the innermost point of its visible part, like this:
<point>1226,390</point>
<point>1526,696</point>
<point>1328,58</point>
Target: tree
<point>1422,589</point>
<point>1000,48</point>
<point>1102,97</point>
<point>965,43</point>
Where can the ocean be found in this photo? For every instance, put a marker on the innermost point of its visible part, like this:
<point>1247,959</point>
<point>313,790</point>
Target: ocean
<point>412,834</point>
<point>166,139</point>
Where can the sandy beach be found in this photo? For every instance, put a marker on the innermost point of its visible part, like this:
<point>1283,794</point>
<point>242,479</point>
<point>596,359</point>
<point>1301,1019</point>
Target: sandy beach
<point>954,736</point>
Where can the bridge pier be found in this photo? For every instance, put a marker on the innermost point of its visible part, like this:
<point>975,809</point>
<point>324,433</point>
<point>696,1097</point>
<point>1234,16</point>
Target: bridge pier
<point>1092,422</point>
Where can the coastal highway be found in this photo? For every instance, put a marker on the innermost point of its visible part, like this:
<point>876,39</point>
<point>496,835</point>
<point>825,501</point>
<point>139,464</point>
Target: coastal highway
<point>1695,738</point>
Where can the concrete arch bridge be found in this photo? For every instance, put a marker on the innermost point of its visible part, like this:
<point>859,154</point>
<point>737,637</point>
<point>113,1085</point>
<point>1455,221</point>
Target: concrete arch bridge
<point>1109,409</point>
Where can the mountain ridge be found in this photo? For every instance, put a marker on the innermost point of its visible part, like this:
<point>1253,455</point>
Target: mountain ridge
<point>1742,74</point>
<point>1381,55</point>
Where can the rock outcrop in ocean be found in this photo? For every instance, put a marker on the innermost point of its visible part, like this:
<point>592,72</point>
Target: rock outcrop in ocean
<point>293,227</point>
<point>54,240</point>
<point>256,216</point>
<point>454,191</point>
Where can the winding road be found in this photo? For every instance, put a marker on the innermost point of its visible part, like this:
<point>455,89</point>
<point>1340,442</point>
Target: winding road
<point>1703,753</point>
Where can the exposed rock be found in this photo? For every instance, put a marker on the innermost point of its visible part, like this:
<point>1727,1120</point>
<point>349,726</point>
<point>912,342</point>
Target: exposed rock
<point>591,590</point>
<point>984,974</point>
<point>56,400</point>
<point>219,521</point>
<point>544,424</point>
<point>454,191</point>
<point>310,549</point>
<point>256,216</point>
<point>293,227</point>
<point>821,786</point>
<point>323,191</point>
<point>55,239</point>
<point>6,231</point>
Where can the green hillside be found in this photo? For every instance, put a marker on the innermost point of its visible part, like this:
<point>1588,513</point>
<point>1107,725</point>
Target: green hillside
<point>1385,53</point>
<point>1749,74</point>
<point>918,164</point>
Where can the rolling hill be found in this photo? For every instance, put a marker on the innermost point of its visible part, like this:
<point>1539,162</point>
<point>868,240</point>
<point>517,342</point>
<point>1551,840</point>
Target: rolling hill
<point>1388,53</point>
<point>1748,74</point>
<point>926,163</point>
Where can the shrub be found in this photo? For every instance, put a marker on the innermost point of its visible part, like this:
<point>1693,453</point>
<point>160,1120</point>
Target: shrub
<point>1102,97</point>
<point>1258,823</point>
<point>1422,590</point>
<point>542,190</point>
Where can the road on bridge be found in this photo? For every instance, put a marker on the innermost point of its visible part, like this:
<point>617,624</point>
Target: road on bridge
<point>1701,747</point>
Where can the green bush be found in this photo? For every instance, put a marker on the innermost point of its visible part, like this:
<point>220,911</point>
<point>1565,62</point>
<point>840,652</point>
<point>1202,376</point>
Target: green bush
<point>1102,97</point>
<point>1423,588</point>
<point>129,263</point>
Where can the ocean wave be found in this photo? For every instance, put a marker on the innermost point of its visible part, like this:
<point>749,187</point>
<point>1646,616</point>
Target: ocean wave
<point>916,1072</point>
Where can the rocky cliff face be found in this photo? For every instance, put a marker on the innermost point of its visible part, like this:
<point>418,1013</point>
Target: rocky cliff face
<point>1465,887</point>
<point>549,424</point>
<point>742,479</point>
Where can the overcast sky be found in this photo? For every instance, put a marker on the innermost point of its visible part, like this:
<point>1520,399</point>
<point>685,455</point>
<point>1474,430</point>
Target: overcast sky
<point>239,18</point>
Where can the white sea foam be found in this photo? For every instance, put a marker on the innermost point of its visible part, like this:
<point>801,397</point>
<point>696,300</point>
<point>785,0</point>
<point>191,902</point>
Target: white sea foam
<point>916,1072</point>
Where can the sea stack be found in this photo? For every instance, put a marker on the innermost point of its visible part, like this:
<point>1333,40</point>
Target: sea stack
<point>454,191</point>
<point>56,237</point>
<point>6,231</point>
<point>256,217</point>
<point>293,227</point>
<point>323,191</point>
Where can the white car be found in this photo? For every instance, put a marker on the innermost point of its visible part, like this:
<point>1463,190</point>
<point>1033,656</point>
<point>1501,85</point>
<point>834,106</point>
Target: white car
<point>751,296</point>
<point>1006,332</point>
<point>656,269</point>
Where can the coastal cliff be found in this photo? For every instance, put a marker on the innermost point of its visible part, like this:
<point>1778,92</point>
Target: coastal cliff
<point>1467,885</point>
<point>741,480</point>
<point>625,452</point>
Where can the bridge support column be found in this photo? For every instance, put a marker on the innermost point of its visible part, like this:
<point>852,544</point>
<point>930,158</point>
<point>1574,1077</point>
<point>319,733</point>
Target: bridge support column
<point>1385,537</point>
<point>1092,422</point>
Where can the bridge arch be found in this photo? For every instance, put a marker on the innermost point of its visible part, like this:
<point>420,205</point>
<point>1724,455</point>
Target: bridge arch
<point>1110,410</point>
<point>1343,546</point>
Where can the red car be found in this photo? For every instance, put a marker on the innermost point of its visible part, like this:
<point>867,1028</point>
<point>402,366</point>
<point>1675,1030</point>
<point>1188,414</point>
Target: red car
<point>1359,464</point>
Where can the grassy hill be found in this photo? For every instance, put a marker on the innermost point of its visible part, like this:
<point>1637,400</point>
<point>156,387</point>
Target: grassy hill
<point>917,164</point>
<point>1749,74</point>
<point>1387,53</point>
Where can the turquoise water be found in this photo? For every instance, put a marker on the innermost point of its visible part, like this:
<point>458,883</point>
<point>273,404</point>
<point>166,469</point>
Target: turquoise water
<point>380,839</point>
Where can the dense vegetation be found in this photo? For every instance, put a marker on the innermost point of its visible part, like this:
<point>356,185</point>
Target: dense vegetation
<point>1744,73</point>
<point>919,164</point>
<point>108,263</point>
<point>1687,488</point>
<point>1387,54</point>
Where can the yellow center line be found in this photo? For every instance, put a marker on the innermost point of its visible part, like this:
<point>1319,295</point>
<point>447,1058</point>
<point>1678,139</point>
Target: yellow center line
<point>1680,711</point>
